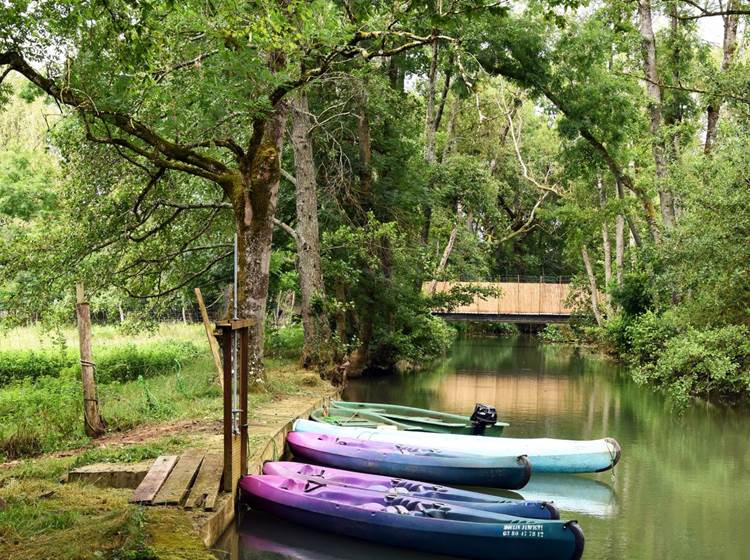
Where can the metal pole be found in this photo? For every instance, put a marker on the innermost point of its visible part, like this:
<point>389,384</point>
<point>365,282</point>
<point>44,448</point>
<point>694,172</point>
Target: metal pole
<point>235,399</point>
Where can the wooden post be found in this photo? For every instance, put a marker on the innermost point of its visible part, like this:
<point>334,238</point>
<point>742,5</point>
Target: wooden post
<point>211,338</point>
<point>227,347</point>
<point>235,442</point>
<point>244,373</point>
<point>93,424</point>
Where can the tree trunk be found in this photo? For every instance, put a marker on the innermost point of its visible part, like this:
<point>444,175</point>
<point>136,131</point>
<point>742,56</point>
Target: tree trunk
<point>619,236</point>
<point>446,253</point>
<point>731,23</point>
<point>605,233</point>
<point>93,424</point>
<point>255,195</point>
<point>592,285</point>
<point>619,247</point>
<point>339,290</point>
<point>430,131</point>
<point>314,323</point>
<point>451,132</point>
<point>365,154</point>
<point>607,248</point>
<point>360,356</point>
<point>648,47</point>
<point>430,117</point>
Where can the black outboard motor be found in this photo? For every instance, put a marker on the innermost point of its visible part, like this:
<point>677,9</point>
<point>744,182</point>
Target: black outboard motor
<point>484,415</point>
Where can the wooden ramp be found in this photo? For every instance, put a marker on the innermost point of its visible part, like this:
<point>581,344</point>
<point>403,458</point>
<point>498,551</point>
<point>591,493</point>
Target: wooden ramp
<point>192,480</point>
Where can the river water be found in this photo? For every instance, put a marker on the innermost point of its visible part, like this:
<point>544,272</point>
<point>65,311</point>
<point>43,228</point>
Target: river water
<point>680,491</point>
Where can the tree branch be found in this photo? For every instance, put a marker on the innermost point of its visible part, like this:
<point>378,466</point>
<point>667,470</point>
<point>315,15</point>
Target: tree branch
<point>704,12</point>
<point>181,284</point>
<point>289,177</point>
<point>178,157</point>
<point>287,228</point>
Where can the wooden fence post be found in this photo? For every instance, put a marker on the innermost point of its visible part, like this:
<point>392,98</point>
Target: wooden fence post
<point>93,424</point>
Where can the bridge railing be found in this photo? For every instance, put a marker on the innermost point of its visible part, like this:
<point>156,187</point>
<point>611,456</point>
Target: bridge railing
<point>529,279</point>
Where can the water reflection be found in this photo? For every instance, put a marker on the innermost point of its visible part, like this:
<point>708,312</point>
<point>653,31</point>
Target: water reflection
<point>573,494</point>
<point>264,537</point>
<point>681,490</point>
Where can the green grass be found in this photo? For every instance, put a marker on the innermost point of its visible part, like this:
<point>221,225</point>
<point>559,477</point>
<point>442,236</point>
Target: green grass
<point>47,415</point>
<point>35,337</point>
<point>43,415</point>
<point>40,519</point>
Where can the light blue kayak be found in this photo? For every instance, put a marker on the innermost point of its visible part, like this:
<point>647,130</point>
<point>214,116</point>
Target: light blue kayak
<point>545,454</point>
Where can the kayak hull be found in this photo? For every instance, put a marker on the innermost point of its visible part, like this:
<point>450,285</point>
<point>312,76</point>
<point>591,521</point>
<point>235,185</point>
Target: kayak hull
<point>416,489</point>
<point>477,535</point>
<point>546,455</point>
<point>406,418</point>
<point>397,460</point>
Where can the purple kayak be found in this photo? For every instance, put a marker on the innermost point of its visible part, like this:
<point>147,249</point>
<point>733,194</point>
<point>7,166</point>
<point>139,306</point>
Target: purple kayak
<point>424,525</point>
<point>412,488</point>
<point>406,461</point>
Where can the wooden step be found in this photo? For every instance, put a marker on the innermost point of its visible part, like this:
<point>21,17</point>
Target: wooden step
<point>154,479</point>
<point>208,483</point>
<point>177,485</point>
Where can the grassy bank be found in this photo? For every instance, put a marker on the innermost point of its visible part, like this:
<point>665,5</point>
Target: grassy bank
<point>41,518</point>
<point>163,376</point>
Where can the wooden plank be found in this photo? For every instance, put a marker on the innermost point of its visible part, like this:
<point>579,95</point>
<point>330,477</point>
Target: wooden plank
<point>178,483</point>
<point>206,488</point>
<point>210,335</point>
<point>236,324</point>
<point>154,479</point>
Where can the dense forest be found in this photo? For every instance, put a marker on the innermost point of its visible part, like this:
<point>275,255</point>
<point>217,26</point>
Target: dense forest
<point>360,149</point>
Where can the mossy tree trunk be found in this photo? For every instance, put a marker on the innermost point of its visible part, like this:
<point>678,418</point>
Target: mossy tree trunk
<point>254,195</point>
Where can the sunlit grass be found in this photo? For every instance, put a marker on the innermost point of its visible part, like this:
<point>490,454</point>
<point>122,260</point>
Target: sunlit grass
<point>36,337</point>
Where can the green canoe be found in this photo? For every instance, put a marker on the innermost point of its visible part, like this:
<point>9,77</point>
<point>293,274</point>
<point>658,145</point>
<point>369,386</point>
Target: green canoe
<point>374,415</point>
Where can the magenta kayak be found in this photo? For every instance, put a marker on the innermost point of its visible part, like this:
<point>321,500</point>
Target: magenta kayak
<point>419,524</point>
<point>416,489</point>
<point>407,461</point>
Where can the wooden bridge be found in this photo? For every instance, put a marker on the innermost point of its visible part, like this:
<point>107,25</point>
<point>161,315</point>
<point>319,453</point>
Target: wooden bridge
<point>517,302</point>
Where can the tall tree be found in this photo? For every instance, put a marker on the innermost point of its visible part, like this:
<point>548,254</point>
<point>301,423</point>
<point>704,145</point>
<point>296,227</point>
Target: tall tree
<point>307,235</point>
<point>198,89</point>
<point>729,48</point>
<point>653,88</point>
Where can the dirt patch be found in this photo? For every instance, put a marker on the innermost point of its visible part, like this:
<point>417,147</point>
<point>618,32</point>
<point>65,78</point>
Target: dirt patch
<point>139,435</point>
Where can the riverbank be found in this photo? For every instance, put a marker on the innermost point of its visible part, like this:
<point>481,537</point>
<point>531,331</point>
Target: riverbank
<point>42,518</point>
<point>664,352</point>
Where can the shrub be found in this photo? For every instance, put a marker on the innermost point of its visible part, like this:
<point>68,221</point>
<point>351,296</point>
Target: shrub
<point>641,338</point>
<point>117,363</point>
<point>647,336</point>
<point>129,362</point>
<point>426,339</point>
<point>285,342</point>
<point>36,416</point>
<point>552,334</point>
<point>710,362</point>
<point>634,296</point>
<point>31,364</point>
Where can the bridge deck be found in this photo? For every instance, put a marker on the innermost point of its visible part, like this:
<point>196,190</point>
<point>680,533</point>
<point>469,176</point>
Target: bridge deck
<point>517,302</point>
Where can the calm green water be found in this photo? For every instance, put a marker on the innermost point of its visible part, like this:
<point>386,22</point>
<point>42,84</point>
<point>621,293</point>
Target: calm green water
<point>681,490</point>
